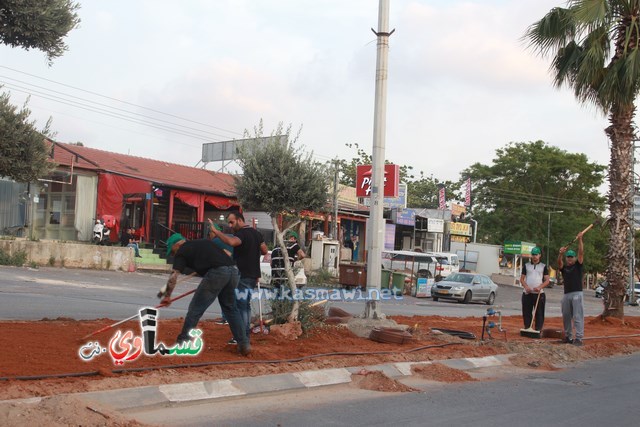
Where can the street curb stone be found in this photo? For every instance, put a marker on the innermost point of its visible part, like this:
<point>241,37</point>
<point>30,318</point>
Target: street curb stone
<point>128,399</point>
<point>181,393</point>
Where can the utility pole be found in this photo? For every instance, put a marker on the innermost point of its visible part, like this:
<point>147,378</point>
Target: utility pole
<point>375,239</point>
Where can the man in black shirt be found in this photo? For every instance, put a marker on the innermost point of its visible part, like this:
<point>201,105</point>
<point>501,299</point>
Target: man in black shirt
<point>294,253</point>
<point>219,279</point>
<point>572,304</point>
<point>248,245</point>
<point>128,239</point>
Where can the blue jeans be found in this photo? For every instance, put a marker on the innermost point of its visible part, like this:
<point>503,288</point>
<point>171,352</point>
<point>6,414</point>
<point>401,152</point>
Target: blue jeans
<point>218,283</point>
<point>243,300</point>
<point>135,248</point>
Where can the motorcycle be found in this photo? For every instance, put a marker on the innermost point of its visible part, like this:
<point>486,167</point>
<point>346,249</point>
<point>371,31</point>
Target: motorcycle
<point>101,233</point>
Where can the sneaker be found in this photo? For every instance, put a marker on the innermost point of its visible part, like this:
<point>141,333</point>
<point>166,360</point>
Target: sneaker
<point>232,341</point>
<point>244,349</point>
<point>578,343</point>
<point>221,322</point>
<point>566,341</point>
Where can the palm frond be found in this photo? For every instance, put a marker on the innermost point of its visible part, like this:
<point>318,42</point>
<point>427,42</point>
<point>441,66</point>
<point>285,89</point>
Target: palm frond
<point>552,32</point>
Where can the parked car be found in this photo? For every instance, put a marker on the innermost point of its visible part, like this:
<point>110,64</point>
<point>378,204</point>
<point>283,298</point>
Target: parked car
<point>265,271</point>
<point>447,263</point>
<point>465,287</point>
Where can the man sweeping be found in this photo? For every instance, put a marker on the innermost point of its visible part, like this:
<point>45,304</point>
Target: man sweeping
<point>220,278</point>
<point>534,278</point>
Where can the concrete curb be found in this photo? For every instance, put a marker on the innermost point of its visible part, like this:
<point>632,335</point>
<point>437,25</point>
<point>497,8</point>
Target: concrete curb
<point>175,394</point>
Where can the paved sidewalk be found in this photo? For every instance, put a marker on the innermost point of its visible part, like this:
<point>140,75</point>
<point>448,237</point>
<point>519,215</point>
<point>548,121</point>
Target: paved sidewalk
<point>200,391</point>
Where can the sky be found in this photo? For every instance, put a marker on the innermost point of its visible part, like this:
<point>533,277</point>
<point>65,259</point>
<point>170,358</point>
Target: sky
<point>461,82</point>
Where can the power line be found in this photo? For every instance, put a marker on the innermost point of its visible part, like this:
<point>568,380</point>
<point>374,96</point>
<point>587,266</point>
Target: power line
<point>124,102</point>
<point>540,197</point>
<point>544,205</point>
<point>100,104</point>
<point>113,114</point>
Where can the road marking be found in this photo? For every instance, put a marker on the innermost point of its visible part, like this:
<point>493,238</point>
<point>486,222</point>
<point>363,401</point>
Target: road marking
<point>82,285</point>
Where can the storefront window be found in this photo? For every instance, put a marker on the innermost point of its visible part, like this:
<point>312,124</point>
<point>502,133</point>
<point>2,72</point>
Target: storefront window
<point>55,210</point>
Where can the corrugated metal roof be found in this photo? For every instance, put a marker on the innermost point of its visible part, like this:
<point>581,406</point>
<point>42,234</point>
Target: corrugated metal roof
<point>156,171</point>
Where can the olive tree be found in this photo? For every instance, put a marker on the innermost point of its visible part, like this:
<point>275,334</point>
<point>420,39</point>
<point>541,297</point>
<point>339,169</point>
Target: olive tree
<point>38,24</point>
<point>23,151</point>
<point>30,24</point>
<point>281,179</point>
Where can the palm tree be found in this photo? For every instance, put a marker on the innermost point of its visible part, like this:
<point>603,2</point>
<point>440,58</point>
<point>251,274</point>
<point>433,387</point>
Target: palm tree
<point>594,44</point>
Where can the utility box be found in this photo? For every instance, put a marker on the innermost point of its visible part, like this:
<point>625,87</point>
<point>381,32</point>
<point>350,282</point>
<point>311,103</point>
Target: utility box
<point>324,255</point>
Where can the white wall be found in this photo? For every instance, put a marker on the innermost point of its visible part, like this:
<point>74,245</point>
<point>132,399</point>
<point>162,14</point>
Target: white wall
<point>488,256</point>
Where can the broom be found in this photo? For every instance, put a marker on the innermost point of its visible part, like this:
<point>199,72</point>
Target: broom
<point>530,332</point>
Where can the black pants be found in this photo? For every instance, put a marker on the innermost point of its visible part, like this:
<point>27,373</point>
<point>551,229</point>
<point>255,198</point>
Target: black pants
<point>528,303</point>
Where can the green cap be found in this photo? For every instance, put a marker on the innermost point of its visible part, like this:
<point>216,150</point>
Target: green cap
<point>175,238</point>
<point>536,251</point>
<point>290,233</point>
<point>571,253</point>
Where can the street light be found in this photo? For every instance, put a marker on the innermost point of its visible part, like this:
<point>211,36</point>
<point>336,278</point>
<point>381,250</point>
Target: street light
<point>549,232</point>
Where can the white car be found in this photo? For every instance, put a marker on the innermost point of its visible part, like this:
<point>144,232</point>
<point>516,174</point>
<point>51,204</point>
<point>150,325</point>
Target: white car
<point>265,271</point>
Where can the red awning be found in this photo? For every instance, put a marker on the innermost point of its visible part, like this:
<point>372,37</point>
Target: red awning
<point>221,202</point>
<point>112,188</point>
<point>191,199</point>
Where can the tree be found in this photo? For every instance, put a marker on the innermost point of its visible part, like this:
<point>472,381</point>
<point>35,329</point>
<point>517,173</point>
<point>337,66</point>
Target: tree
<point>38,24</point>
<point>514,195</point>
<point>23,151</point>
<point>30,24</point>
<point>280,179</point>
<point>594,44</point>
<point>423,192</point>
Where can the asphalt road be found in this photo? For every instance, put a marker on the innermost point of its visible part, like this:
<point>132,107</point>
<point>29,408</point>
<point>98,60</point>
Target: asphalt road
<point>596,393</point>
<point>33,294</point>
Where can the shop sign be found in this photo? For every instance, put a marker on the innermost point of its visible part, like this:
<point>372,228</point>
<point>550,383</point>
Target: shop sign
<point>459,239</point>
<point>389,236</point>
<point>460,228</point>
<point>399,202</point>
<point>457,209</point>
<point>391,180</point>
<point>404,217</point>
<point>435,225</point>
<point>519,248</point>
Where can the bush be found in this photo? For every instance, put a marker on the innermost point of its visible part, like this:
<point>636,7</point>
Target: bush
<point>320,277</point>
<point>18,259</point>
<point>309,317</point>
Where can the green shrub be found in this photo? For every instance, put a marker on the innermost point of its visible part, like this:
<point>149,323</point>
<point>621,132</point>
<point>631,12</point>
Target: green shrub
<point>320,277</point>
<point>309,317</point>
<point>52,261</point>
<point>18,259</point>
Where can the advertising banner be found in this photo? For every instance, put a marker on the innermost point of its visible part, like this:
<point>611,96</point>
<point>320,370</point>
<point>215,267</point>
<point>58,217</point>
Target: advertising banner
<point>391,180</point>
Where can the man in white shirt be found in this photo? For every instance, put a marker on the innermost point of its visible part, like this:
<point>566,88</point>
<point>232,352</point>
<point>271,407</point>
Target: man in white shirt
<point>534,278</point>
